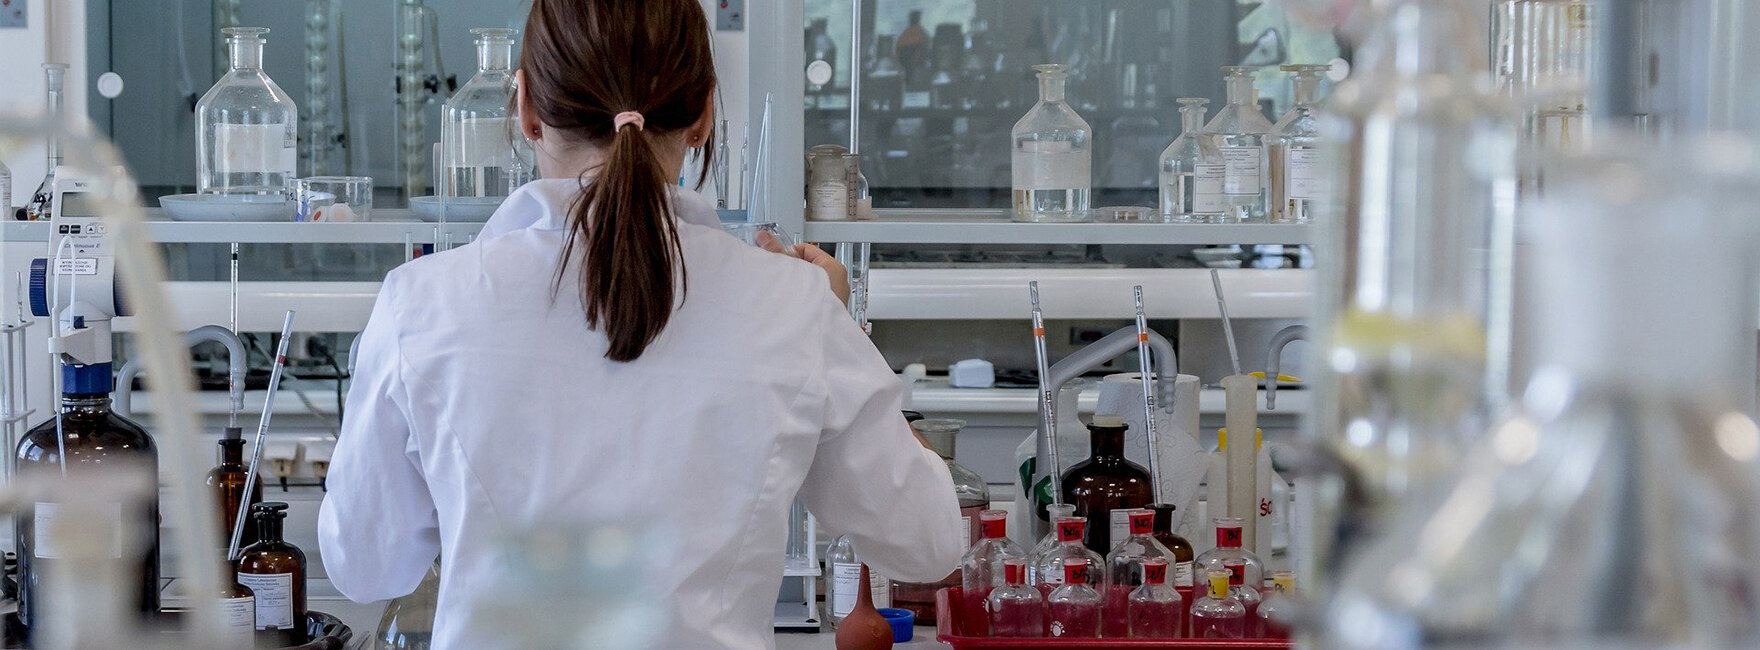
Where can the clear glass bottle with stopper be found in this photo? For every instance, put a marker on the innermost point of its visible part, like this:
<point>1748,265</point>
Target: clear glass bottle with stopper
<point>481,149</point>
<point>1191,169</point>
<point>1048,542</point>
<point>1298,176</point>
<point>247,128</point>
<point>973,496</point>
<point>1053,156</point>
<point>1238,131</point>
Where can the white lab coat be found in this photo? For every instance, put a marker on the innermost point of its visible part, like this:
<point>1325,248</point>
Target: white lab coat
<point>481,406</point>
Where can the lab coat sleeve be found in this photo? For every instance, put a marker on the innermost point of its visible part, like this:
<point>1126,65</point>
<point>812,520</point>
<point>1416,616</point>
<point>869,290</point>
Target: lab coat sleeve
<point>870,479</point>
<point>377,528</point>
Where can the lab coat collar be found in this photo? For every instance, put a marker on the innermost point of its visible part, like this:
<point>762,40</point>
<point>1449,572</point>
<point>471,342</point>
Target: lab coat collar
<point>544,204</point>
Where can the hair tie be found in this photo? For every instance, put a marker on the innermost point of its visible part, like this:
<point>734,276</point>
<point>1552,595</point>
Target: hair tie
<point>627,117</point>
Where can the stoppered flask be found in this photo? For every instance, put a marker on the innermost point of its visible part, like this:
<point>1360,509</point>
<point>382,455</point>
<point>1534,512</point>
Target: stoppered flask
<point>227,480</point>
<point>1218,615</point>
<point>1072,611</point>
<point>1015,609</point>
<point>481,149</point>
<point>1154,609</point>
<point>1125,568</point>
<point>1238,131</point>
<point>1105,487</point>
<point>973,496</point>
<point>1052,161</point>
<point>1299,181</point>
<point>95,442</point>
<point>982,568</point>
<point>1047,542</point>
<point>1245,570</point>
<point>1191,170</point>
<point>1274,612</point>
<point>275,572</point>
<point>247,128</point>
<point>1070,551</point>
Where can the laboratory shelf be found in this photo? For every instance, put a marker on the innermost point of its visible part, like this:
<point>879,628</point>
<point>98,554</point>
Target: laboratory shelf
<point>390,226</point>
<point>994,227</point>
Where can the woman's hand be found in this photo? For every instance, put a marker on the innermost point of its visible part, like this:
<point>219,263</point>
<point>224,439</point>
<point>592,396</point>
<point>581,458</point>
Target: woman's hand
<point>834,270</point>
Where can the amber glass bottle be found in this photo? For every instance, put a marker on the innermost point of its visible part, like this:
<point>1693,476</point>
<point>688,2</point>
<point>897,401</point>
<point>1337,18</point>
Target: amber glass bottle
<point>1105,483</point>
<point>95,439</point>
<point>227,482</point>
<point>275,571</point>
<point>1179,546</point>
<point>239,606</point>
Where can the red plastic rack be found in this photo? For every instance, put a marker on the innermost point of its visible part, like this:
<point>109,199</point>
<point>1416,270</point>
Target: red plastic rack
<point>950,629</point>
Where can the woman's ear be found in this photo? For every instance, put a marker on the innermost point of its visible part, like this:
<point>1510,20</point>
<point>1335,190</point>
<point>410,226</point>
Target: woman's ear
<point>698,134</point>
<point>529,126</point>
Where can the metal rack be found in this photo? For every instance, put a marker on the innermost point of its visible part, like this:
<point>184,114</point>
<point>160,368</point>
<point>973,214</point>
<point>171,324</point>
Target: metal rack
<point>994,227</point>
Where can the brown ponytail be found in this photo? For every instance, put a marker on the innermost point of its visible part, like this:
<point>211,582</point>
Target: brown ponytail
<point>585,62</point>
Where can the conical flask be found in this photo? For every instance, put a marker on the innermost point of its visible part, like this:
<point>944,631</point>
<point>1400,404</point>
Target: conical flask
<point>247,128</point>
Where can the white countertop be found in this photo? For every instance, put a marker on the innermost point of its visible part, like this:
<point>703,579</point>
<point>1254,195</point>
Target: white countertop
<point>924,640</point>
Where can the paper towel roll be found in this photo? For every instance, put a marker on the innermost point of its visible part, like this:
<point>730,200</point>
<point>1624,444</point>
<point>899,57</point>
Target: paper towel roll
<point>1182,460</point>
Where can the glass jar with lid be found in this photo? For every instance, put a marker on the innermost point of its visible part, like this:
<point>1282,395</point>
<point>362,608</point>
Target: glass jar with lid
<point>836,189</point>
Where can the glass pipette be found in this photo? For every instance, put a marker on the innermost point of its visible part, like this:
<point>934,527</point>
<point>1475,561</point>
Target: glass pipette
<point>1234,353</point>
<point>250,475</point>
<point>1047,401</point>
<point>1149,429</point>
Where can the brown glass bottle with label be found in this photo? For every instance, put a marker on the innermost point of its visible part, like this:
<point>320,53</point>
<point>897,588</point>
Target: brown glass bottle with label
<point>1180,547</point>
<point>275,572</point>
<point>1106,483</point>
<point>227,481</point>
<point>95,440</point>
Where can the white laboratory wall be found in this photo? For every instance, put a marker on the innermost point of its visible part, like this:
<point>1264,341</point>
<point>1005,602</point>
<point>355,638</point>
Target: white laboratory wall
<point>56,31</point>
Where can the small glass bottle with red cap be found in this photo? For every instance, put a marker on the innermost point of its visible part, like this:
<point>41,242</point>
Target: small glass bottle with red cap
<point>1154,609</point>
<point>1218,615</point>
<point>1124,567</point>
<point>1070,551</point>
<point>1246,571</point>
<point>1072,611</point>
<point>1015,609</point>
<point>981,569</point>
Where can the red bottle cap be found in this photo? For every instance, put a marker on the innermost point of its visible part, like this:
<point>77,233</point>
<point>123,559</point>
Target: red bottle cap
<point>1142,522</point>
<point>1014,571</point>
<point>1075,573</point>
<point>1155,570</point>
<point>1071,529</point>
<point>1228,532</point>
<point>1237,572</point>
<point>993,523</point>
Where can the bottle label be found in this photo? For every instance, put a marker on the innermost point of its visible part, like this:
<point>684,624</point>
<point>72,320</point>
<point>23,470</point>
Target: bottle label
<point>1303,174</point>
<point>254,148</point>
<point>53,524</point>
<point>971,533</point>
<point>1054,165</point>
<point>1155,571</point>
<point>1070,530</point>
<point>995,528</point>
<point>1075,573</point>
<point>1237,573</point>
<point>1142,522</point>
<point>241,617</point>
<point>1218,587</point>
<point>846,585</point>
<point>1121,525</point>
<point>829,201</point>
<point>1182,573</point>
<point>1228,536</point>
<point>1207,195</point>
<point>274,593</point>
<point>1011,572</point>
<point>1243,170</point>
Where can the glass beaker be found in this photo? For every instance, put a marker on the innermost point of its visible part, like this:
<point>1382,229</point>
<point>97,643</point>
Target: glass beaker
<point>481,150</point>
<point>1238,131</point>
<point>1053,156</point>
<point>247,129</point>
<point>1191,169</point>
<point>408,622</point>
<point>832,183</point>
<point>333,198</point>
<point>1298,182</point>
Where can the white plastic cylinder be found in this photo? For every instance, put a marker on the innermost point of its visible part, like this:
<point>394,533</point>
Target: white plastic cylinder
<point>1242,454</point>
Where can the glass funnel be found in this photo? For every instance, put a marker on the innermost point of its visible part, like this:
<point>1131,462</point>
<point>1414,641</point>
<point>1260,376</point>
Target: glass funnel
<point>1617,507</point>
<point>1238,131</point>
<point>1412,264</point>
<point>1298,180</point>
<point>1053,156</point>
<point>247,129</point>
<point>481,149</point>
<point>1191,169</point>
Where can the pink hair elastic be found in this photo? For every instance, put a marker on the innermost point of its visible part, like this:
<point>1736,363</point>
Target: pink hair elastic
<point>627,117</point>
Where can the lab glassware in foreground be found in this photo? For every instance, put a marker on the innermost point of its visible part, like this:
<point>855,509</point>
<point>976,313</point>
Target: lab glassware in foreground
<point>981,570</point>
<point>1048,542</point>
<point>247,128</point>
<point>1191,169</point>
<point>1070,550</point>
<point>1106,487</point>
<point>1053,156</point>
<point>1125,567</point>
<point>1154,609</point>
<point>275,572</point>
<point>333,198</point>
<point>973,496</point>
<point>1218,615</point>
<point>1072,610</point>
<point>1016,609</point>
<point>1245,570</point>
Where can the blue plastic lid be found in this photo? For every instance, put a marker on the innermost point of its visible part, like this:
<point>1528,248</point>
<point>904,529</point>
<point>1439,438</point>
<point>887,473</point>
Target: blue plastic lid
<point>903,623</point>
<point>94,379</point>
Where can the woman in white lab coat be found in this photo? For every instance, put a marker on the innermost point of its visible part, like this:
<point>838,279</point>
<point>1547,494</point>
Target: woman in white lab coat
<point>605,353</point>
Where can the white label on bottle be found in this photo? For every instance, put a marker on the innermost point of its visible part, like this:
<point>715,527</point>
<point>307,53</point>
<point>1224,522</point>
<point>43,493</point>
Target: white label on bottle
<point>1052,577</point>
<point>1303,174</point>
<point>829,201</point>
<point>274,593</point>
<point>846,585</point>
<point>254,148</point>
<point>1121,525</point>
<point>1244,167</point>
<point>971,533</point>
<point>1207,196</point>
<point>52,523</point>
<point>1055,165</point>
<point>241,617</point>
<point>1182,573</point>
